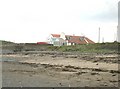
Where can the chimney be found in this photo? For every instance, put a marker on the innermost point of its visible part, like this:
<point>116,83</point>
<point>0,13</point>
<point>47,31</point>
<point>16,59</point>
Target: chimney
<point>62,35</point>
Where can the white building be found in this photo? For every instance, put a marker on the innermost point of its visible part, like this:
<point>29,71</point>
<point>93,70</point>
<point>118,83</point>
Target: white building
<point>62,39</point>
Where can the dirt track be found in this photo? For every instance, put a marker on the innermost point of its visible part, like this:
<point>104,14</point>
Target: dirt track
<point>54,69</point>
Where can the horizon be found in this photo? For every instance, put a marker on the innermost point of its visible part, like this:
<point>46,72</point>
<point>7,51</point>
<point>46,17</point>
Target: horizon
<point>28,21</point>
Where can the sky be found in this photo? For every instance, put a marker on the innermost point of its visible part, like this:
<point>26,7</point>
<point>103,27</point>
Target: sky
<point>31,21</point>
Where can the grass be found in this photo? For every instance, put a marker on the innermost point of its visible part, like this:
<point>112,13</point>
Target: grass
<point>6,42</point>
<point>90,48</point>
<point>95,48</point>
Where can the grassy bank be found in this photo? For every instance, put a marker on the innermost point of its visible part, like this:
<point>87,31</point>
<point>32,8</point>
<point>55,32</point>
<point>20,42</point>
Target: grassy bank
<point>94,48</point>
<point>98,48</point>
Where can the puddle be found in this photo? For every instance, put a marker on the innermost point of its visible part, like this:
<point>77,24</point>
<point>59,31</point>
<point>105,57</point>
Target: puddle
<point>107,56</point>
<point>68,72</point>
<point>6,60</point>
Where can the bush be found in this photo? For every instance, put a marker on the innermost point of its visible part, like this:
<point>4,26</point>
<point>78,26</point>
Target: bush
<point>18,48</point>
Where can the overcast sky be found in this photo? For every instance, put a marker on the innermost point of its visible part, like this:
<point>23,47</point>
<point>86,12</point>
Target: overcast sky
<point>34,20</point>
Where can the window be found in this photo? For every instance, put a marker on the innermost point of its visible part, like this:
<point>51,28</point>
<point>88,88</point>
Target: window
<point>81,38</point>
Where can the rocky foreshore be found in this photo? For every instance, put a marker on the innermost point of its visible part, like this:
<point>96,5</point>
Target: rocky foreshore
<point>60,69</point>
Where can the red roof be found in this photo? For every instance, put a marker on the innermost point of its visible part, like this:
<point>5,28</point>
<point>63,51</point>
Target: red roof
<point>42,43</point>
<point>76,39</point>
<point>90,41</point>
<point>80,40</point>
<point>55,35</point>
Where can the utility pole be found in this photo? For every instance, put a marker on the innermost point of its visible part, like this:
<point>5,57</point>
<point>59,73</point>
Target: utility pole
<point>99,35</point>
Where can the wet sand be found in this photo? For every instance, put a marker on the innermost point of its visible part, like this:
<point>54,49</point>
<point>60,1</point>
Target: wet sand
<point>55,69</point>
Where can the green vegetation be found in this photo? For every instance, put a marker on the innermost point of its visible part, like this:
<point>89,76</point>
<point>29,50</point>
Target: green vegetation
<point>89,48</point>
<point>95,48</point>
<point>2,42</point>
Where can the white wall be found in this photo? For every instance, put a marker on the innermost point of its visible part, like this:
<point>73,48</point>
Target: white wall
<point>68,43</point>
<point>49,40</point>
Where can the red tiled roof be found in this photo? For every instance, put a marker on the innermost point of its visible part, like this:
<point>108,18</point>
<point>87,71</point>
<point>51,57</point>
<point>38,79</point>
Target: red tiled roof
<point>76,39</point>
<point>55,35</point>
<point>90,41</point>
<point>58,35</point>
